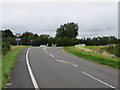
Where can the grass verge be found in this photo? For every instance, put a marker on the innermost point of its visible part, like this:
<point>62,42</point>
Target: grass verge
<point>105,60</point>
<point>8,62</point>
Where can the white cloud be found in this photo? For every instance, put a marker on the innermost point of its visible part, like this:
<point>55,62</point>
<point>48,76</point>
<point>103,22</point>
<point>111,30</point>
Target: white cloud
<point>93,18</point>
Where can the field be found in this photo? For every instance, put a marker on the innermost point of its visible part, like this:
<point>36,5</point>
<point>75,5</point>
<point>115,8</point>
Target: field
<point>8,62</point>
<point>91,55</point>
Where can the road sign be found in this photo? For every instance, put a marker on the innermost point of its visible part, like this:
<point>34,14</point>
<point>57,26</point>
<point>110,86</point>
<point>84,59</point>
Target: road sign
<point>18,35</point>
<point>17,39</point>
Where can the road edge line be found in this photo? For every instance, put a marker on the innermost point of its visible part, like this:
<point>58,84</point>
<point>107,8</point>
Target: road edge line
<point>30,72</point>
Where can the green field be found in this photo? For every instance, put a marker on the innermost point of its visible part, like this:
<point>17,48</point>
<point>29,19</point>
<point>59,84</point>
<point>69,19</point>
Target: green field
<point>8,62</point>
<point>92,56</point>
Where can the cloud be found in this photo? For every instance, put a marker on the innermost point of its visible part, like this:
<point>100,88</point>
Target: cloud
<point>93,18</point>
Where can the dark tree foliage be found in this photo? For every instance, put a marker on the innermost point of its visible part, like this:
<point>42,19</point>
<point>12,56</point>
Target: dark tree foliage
<point>67,30</point>
<point>36,36</point>
<point>5,46</point>
<point>66,35</point>
<point>65,41</point>
<point>7,39</point>
<point>51,41</point>
<point>26,38</point>
<point>7,33</point>
<point>43,39</point>
<point>99,41</point>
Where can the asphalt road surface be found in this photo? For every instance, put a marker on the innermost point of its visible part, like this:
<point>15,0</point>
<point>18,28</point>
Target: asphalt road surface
<point>51,67</point>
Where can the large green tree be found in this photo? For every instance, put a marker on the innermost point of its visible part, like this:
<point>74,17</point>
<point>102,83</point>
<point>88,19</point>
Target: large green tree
<point>26,38</point>
<point>69,30</point>
<point>66,34</point>
<point>7,33</point>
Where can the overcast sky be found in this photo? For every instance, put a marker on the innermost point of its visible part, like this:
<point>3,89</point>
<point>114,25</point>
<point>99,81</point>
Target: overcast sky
<point>93,18</point>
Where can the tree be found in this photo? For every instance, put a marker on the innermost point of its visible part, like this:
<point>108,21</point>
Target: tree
<point>7,33</point>
<point>44,39</point>
<point>66,34</point>
<point>5,46</point>
<point>51,41</point>
<point>69,30</point>
<point>26,38</point>
<point>36,36</point>
<point>99,40</point>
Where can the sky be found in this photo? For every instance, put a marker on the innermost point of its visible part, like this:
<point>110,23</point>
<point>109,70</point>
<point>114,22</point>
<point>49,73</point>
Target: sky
<point>93,18</point>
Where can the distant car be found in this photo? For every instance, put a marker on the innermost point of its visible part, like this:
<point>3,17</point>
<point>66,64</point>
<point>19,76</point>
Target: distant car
<point>80,45</point>
<point>43,46</point>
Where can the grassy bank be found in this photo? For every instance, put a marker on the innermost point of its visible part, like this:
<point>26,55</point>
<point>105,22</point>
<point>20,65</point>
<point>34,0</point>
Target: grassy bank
<point>8,62</point>
<point>108,50</point>
<point>105,60</point>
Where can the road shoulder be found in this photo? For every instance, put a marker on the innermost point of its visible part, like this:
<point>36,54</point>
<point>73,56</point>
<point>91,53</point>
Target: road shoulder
<point>20,76</point>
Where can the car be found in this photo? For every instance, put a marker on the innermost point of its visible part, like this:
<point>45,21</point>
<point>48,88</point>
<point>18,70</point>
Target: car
<point>43,46</point>
<point>80,45</point>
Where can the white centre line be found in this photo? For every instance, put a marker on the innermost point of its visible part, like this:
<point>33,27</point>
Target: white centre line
<point>67,63</point>
<point>51,55</point>
<point>98,80</point>
<point>30,72</point>
<point>45,50</point>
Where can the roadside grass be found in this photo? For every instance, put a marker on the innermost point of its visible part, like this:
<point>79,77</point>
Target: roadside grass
<point>95,48</point>
<point>106,50</point>
<point>100,50</point>
<point>8,62</point>
<point>91,56</point>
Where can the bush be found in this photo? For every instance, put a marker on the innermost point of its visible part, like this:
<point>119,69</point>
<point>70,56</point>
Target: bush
<point>113,49</point>
<point>5,47</point>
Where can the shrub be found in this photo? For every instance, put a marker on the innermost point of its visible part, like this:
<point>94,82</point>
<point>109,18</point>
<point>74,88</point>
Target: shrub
<point>113,49</point>
<point>5,47</point>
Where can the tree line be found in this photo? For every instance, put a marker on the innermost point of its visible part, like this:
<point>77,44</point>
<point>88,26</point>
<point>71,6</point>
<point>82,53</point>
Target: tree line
<point>65,36</point>
<point>96,41</point>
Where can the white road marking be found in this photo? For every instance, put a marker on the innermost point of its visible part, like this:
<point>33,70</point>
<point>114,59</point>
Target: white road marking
<point>51,55</point>
<point>45,50</point>
<point>30,72</point>
<point>98,80</point>
<point>67,62</point>
<point>58,60</point>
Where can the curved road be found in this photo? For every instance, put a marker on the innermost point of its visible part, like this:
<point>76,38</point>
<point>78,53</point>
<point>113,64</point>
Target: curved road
<point>51,67</point>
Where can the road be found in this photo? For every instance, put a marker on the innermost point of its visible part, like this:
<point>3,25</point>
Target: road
<point>51,67</point>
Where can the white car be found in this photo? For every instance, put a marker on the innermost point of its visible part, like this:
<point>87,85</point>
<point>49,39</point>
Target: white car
<point>43,46</point>
<point>80,45</point>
